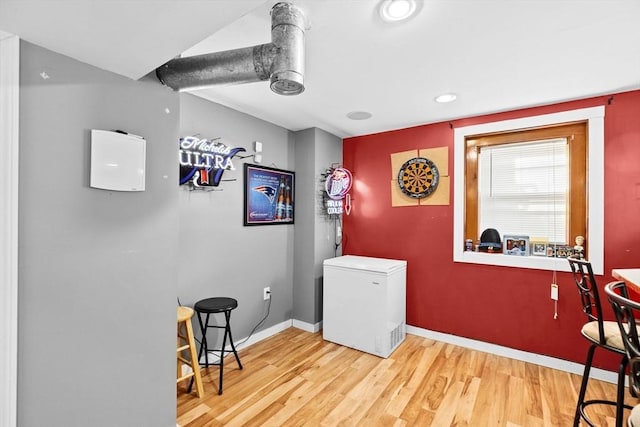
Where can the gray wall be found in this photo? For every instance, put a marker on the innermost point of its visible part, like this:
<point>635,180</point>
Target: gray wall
<point>218,255</point>
<point>97,269</point>
<point>316,151</point>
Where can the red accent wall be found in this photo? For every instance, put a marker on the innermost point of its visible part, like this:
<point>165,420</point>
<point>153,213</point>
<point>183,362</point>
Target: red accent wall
<point>501,305</point>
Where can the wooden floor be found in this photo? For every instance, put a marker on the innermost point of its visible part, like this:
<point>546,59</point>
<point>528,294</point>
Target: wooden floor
<point>295,378</point>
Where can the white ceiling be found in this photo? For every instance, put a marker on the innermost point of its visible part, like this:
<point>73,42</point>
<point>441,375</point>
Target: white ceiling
<point>496,55</point>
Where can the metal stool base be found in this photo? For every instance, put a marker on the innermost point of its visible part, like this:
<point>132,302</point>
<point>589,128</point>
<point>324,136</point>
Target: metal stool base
<point>209,306</point>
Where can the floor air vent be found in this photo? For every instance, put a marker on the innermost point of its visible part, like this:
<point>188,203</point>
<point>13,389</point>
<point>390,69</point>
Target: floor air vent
<point>397,335</point>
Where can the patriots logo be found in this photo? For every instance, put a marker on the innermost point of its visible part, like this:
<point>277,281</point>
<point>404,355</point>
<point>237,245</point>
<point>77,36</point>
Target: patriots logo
<point>268,192</point>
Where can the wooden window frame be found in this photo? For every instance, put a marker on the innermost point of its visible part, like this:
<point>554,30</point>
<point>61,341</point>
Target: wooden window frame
<point>576,136</point>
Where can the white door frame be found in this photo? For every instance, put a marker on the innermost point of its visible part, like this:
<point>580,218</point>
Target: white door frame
<point>9,102</point>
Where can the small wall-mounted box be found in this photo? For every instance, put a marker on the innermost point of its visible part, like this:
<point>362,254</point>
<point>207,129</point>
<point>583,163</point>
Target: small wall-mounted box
<point>117,161</point>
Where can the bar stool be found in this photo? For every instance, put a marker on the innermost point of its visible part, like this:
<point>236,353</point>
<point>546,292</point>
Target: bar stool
<point>627,312</point>
<point>186,343</point>
<point>210,306</point>
<point>601,334</point>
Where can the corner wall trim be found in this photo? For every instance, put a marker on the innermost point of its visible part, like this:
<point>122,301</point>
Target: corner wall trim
<point>538,359</point>
<point>9,126</point>
<point>309,327</point>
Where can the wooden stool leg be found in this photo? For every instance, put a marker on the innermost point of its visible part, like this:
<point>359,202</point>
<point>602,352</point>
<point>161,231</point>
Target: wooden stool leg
<point>178,362</point>
<point>195,364</point>
<point>187,342</point>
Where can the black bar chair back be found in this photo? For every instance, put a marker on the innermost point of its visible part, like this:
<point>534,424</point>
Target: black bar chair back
<point>627,311</point>
<point>600,333</point>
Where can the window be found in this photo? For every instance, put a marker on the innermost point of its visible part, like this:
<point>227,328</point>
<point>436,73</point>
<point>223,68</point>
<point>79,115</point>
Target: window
<point>528,182</point>
<point>539,176</point>
<point>522,188</point>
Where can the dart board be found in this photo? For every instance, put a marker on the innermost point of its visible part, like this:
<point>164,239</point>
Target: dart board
<point>418,177</point>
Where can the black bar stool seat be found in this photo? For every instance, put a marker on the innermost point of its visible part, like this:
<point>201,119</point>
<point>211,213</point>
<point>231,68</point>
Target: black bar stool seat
<point>205,308</point>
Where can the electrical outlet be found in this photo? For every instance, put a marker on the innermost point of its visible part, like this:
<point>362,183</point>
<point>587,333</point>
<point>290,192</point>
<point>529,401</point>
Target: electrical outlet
<point>554,292</point>
<point>266,293</point>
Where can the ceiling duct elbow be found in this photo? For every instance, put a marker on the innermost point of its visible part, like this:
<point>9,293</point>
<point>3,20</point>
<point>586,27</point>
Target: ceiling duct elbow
<point>281,61</point>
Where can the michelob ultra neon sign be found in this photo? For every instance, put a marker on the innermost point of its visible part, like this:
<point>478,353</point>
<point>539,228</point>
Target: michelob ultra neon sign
<point>203,161</point>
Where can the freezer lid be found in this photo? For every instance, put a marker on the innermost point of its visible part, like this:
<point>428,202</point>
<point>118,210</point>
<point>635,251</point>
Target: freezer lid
<point>379,265</point>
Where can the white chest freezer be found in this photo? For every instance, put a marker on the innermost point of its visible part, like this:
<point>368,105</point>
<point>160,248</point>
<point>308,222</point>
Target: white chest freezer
<point>364,303</point>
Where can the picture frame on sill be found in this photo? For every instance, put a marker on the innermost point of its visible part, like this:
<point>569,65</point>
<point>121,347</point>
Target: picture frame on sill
<point>269,195</point>
<point>515,245</point>
<point>538,248</point>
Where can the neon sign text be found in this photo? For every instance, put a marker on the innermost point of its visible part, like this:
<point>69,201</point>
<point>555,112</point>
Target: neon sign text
<point>334,207</point>
<point>203,161</point>
<point>204,145</point>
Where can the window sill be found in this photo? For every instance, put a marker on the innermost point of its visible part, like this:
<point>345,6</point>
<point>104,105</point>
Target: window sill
<point>534,262</point>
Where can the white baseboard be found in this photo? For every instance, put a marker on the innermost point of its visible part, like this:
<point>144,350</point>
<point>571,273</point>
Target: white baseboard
<point>244,342</point>
<point>538,359</point>
<point>265,333</point>
<point>313,328</point>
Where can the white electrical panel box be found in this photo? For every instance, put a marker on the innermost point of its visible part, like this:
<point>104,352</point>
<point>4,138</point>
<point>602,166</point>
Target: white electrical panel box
<point>364,303</point>
<point>117,161</point>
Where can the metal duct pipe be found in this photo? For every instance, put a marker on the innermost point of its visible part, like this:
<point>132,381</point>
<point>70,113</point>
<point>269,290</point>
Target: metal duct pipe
<point>287,37</point>
<point>281,61</point>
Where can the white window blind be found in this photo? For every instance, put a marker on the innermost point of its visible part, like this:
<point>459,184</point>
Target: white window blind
<point>523,189</point>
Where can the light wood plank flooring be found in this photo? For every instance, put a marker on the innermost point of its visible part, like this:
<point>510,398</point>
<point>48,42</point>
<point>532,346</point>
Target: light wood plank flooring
<point>295,378</point>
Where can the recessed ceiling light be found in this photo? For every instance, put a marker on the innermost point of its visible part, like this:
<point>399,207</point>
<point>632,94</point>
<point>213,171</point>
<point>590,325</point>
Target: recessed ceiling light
<point>359,115</point>
<point>446,97</point>
<point>397,10</point>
